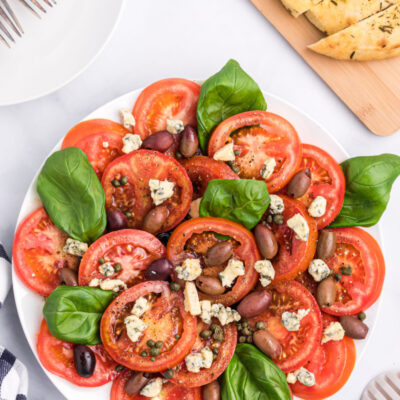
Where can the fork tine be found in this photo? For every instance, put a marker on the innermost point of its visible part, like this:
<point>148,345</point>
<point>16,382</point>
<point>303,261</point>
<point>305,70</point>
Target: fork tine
<point>4,41</point>
<point>12,15</point>
<point>5,31</point>
<point>8,20</point>
<point>48,2</point>
<point>38,5</point>
<point>30,8</point>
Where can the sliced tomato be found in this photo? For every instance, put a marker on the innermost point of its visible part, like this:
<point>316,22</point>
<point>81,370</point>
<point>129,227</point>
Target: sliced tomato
<point>169,391</point>
<point>134,250</point>
<point>166,318</point>
<point>226,349</point>
<point>193,238</point>
<point>38,252</point>
<point>172,98</point>
<point>294,254</point>
<point>357,249</point>
<point>257,135</point>
<point>58,358</point>
<point>299,346</point>
<point>202,169</point>
<point>140,166</point>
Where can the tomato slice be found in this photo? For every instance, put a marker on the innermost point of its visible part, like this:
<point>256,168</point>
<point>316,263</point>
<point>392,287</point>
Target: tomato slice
<point>298,347</point>
<point>202,169</point>
<point>38,252</point>
<point>257,135</point>
<point>172,98</point>
<point>58,358</point>
<point>294,255</point>
<point>169,391</point>
<point>183,377</point>
<point>134,250</point>
<point>140,166</point>
<point>165,319</point>
<point>357,249</point>
<point>193,238</point>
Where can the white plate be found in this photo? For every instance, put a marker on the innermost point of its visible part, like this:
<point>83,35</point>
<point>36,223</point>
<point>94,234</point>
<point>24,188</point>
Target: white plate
<point>29,304</point>
<point>55,49</point>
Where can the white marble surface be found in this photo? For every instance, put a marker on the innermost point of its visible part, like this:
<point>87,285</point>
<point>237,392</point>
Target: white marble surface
<point>156,39</point>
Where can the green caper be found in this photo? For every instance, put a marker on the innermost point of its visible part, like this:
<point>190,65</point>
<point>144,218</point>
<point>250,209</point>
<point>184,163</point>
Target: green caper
<point>245,324</point>
<point>249,339</point>
<point>119,368</point>
<point>153,359</point>
<point>260,325</point>
<point>128,214</point>
<point>218,334</point>
<point>337,277</point>
<point>117,267</point>
<point>124,180</point>
<point>177,336</point>
<point>159,344</point>
<point>346,270</point>
<point>242,339</point>
<point>269,219</point>
<point>154,352</point>
<point>151,343</point>
<point>278,219</point>
<point>168,374</point>
<point>116,182</point>
<point>102,260</point>
<point>236,152</point>
<point>362,316</point>
<point>215,350</point>
<point>213,327</point>
<point>175,286</point>
<point>246,331</point>
<point>144,354</point>
<point>205,334</point>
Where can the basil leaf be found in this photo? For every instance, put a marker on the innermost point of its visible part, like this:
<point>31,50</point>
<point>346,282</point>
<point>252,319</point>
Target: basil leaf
<point>252,375</point>
<point>73,313</point>
<point>369,181</point>
<point>228,92</point>
<point>240,200</point>
<point>72,194</point>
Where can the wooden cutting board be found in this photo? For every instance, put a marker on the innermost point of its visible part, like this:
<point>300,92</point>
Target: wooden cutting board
<point>370,89</point>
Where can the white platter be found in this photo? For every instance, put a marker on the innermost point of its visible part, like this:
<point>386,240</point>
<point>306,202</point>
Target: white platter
<point>29,304</point>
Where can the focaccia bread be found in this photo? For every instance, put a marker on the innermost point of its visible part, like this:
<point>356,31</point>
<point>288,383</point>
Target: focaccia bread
<point>298,7</point>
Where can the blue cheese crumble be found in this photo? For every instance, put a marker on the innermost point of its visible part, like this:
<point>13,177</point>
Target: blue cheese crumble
<point>195,361</point>
<point>234,269</point>
<point>75,247</point>
<point>127,118</point>
<point>276,205</point>
<point>160,190</point>
<point>131,142</point>
<point>334,331</point>
<point>152,388</point>
<point>319,270</point>
<point>318,207</point>
<point>291,320</point>
<point>189,270</point>
<point>225,153</point>
<point>266,271</point>
<point>299,225</point>
<point>268,169</point>
<point>175,126</point>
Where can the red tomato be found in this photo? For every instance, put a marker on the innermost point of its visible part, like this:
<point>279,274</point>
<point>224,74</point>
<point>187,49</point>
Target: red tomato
<point>140,166</point>
<point>193,238</point>
<point>38,252</point>
<point>169,391</point>
<point>172,98</point>
<point>58,358</point>
<point>165,319</point>
<point>357,249</point>
<point>202,169</point>
<point>258,135</point>
<point>294,255</point>
<point>134,250</point>
<point>226,349</point>
<point>299,346</point>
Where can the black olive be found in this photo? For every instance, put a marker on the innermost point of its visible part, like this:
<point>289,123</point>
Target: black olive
<point>85,361</point>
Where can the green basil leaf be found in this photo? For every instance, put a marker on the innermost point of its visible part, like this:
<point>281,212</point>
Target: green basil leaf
<point>240,200</point>
<point>369,181</point>
<point>73,313</point>
<point>228,92</point>
<point>72,194</point>
<point>252,375</point>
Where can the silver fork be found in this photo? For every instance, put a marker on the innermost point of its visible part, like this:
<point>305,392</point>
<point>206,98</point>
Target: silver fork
<point>9,22</point>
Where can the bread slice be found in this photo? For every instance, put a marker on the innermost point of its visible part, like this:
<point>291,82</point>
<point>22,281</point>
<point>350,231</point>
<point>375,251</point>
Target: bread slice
<point>298,7</point>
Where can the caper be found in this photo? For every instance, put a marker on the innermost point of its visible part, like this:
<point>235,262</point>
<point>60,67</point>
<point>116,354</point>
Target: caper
<point>260,325</point>
<point>236,152</point>
<point>278,219</point>
<point>151,343</point>
<point>177,336</point>
<point>213,327</point>
<point>169,373</point>
<point>215,350</point>
<point>124,180</point>
<point>144,354</point>
<point>102,260</point>
<point>117,267</point>
<point>242,339</point>
<point>249,339</point>
<point>346,270</point>
<point>246,331</point>
<point>119,368</point>
<point>153,359</point>
<point>245,324</point>
<point>116,182</point>
<point>205,334</point>
<point>218,334</point>
<point>154,351</point>
<point>362,316</point>
<point>175,286</point>
<point>337,277</point>
<point>269,219</point>
<point>128,214</point>
<point>159,344</point>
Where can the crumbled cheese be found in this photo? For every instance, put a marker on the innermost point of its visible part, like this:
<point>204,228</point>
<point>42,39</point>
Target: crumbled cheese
<point>134,327</point>
<point>300,227</point>
<point>75,247</point>
<point>152,388</point>
<point>318,270</point>
<point>160,190</point>
<point>266,271</point>
<point>140,307</point>
<point>276,205</point>
<point>94,282</point>
<point>234,269</point>
<point>175,126</point>
<point>205,311</point>
<point>128,120</point>
<point>106,269</point>
<point>189,270</point>
<point>106,145</point>
<point>291,320</point>
<point>268,168</point>
<point>225,153</point>
<point>131,142</point>
<point>194,210</point>
<point>305,377</point>
<point>334,331</point>
<point>318,207</point>
<point>291,378</point>
<point>225,315</point>
<point>192,303</point>
<point>196,361</point>
<point>113,284</point>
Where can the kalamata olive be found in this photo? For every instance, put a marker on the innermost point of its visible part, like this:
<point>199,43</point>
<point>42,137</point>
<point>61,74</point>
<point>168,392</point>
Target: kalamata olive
<point>300,183</point>
<point>266,241</point>
<point>219,253</point>
<point>267,343</point>
<point>160,141</point>
<point>155,219</point>
<point>254,304</point>
<point>189,142</point>
<point>136,383</point>
<point>209,285</point>
<point>68,277</point>
<point>326,246</point>
<point>326,292</point>
<point>212,391</point>
<point>194,210</point>
<point>116,220</point>
<point>159,270</point>
<point>85,361</point>
<point>353,327</point>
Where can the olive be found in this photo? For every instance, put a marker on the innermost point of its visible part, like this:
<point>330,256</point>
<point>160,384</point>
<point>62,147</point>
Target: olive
<point>353,327</point>
<point>266,241</point>
<point>159,141</point>
<point>326,292</point>
<point>189,142</point>
<point>212,391</point>
<point>326,246</point>
<point>68,277</point>
<point>116,220</point>
<point>254,304</point>
<point>159,270</point>
<point>155,219</point>
<point>209,285</point>
<point>300,183</point>
<point>194,211</point>
<point>267,343</point>
<point>136,383</point>
<point>84,360</point>
<point>219,253</point>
